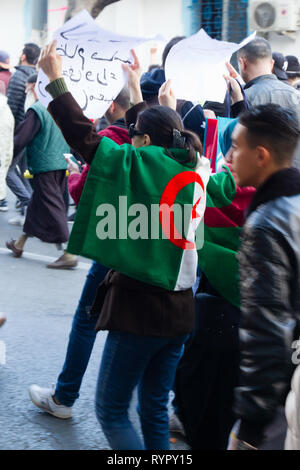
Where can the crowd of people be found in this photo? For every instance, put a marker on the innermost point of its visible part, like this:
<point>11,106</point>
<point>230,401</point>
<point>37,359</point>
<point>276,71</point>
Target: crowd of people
<point>222,340</point>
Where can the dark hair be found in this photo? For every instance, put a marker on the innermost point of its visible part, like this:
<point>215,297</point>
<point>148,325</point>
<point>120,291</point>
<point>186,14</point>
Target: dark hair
<point>274,127</point>
<point>32,52</point>
<point>165,129</point>
<point>169,46</point>
<point>123,98</point>
<point>32,78</point>
<point>258,48</point>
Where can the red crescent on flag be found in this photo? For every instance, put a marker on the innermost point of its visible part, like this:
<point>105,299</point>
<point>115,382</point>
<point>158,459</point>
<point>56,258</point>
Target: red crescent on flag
<point>176,184</point>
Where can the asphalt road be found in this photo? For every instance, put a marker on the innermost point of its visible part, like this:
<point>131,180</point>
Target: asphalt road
<point>39,304</point>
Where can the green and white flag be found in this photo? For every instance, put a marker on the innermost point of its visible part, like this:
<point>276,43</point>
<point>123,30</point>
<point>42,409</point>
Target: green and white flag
<point>139,212</point>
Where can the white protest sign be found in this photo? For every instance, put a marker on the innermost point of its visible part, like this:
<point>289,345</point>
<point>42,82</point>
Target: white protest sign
<point>196,66</point>
<point>91,63</point>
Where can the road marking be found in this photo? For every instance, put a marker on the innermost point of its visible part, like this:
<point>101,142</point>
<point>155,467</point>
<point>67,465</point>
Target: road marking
<point>46,259</point>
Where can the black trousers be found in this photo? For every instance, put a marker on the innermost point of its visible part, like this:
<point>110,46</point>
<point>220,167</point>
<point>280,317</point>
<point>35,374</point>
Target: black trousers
<point>208,373</point>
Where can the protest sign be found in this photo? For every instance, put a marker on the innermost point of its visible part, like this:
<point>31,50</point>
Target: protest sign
<point>91,63</point>
<point>196,66</point>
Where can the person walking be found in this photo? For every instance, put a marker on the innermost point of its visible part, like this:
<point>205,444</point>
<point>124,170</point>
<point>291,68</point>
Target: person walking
<point>46,216</point>
<point>58,401</point>
<point>148,329</point>
<point>264,143</point>
<point>16,100</point>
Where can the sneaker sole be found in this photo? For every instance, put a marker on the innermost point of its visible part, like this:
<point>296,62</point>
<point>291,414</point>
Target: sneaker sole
<point>60,267</point>
<point>3,209</point>
<point>53,413</point>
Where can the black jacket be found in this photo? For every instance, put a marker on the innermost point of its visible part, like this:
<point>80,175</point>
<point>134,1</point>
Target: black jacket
<point>269,265</point>
<point>16,91</point>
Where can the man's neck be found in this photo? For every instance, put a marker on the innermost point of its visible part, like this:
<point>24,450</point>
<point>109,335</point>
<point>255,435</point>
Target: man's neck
<point>27,64</point>
<point>115,118</point>
<point>257,71</point>
<point>268,172</point>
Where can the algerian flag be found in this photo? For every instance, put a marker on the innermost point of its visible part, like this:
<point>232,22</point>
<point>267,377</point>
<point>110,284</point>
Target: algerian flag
<point>223,219</point>
<point>139,212</point>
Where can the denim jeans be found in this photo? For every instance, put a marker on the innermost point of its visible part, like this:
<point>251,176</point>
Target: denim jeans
<point>81,340</point>
<point>149,363</point>
<point>16,181</point>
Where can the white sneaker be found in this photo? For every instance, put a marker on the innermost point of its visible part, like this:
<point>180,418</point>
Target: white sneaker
<point>175,425</point>
<point>42,398</point>
<point>19,220</point>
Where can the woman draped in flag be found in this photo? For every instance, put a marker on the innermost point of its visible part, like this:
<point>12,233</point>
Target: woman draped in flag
<point>146,302</point>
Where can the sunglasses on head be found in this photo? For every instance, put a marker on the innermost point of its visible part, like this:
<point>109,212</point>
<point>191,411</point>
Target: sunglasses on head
<point>132,131</point>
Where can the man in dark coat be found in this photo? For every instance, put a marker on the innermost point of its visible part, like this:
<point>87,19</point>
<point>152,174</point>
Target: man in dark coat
<point>16,99</point>
<point>263,144</point>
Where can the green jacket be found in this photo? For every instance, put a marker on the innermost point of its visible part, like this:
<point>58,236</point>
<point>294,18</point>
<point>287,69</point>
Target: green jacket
<point>45,151</point>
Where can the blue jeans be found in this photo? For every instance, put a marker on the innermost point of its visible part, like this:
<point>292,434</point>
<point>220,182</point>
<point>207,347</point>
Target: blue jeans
<point>81,340</point>
<point>16,182</point>
<point>128,361</point>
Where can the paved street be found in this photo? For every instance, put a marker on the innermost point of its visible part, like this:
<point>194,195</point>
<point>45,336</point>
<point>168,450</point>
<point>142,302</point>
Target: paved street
<point>39,304</point>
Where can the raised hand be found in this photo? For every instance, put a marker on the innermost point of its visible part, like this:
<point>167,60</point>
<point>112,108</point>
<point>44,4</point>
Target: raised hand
<point>231,70</point>
<point>235,89</point>
<point>166,96</point>
<point>51,62</point>
<point>134,72</point>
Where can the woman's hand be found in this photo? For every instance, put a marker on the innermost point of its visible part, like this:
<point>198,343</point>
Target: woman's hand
<point>235,89</point>
<point>51,62</point>
<point>134,72</point>
<point>166,96</point>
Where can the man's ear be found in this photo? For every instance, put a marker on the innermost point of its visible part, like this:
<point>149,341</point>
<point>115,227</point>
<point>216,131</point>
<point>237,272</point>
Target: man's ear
<point>242,63</point>
<point>112,107</point>
<point>263,156</point>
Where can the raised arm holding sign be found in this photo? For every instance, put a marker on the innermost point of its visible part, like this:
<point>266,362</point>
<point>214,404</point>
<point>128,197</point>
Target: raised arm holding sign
<point>92,61</point>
